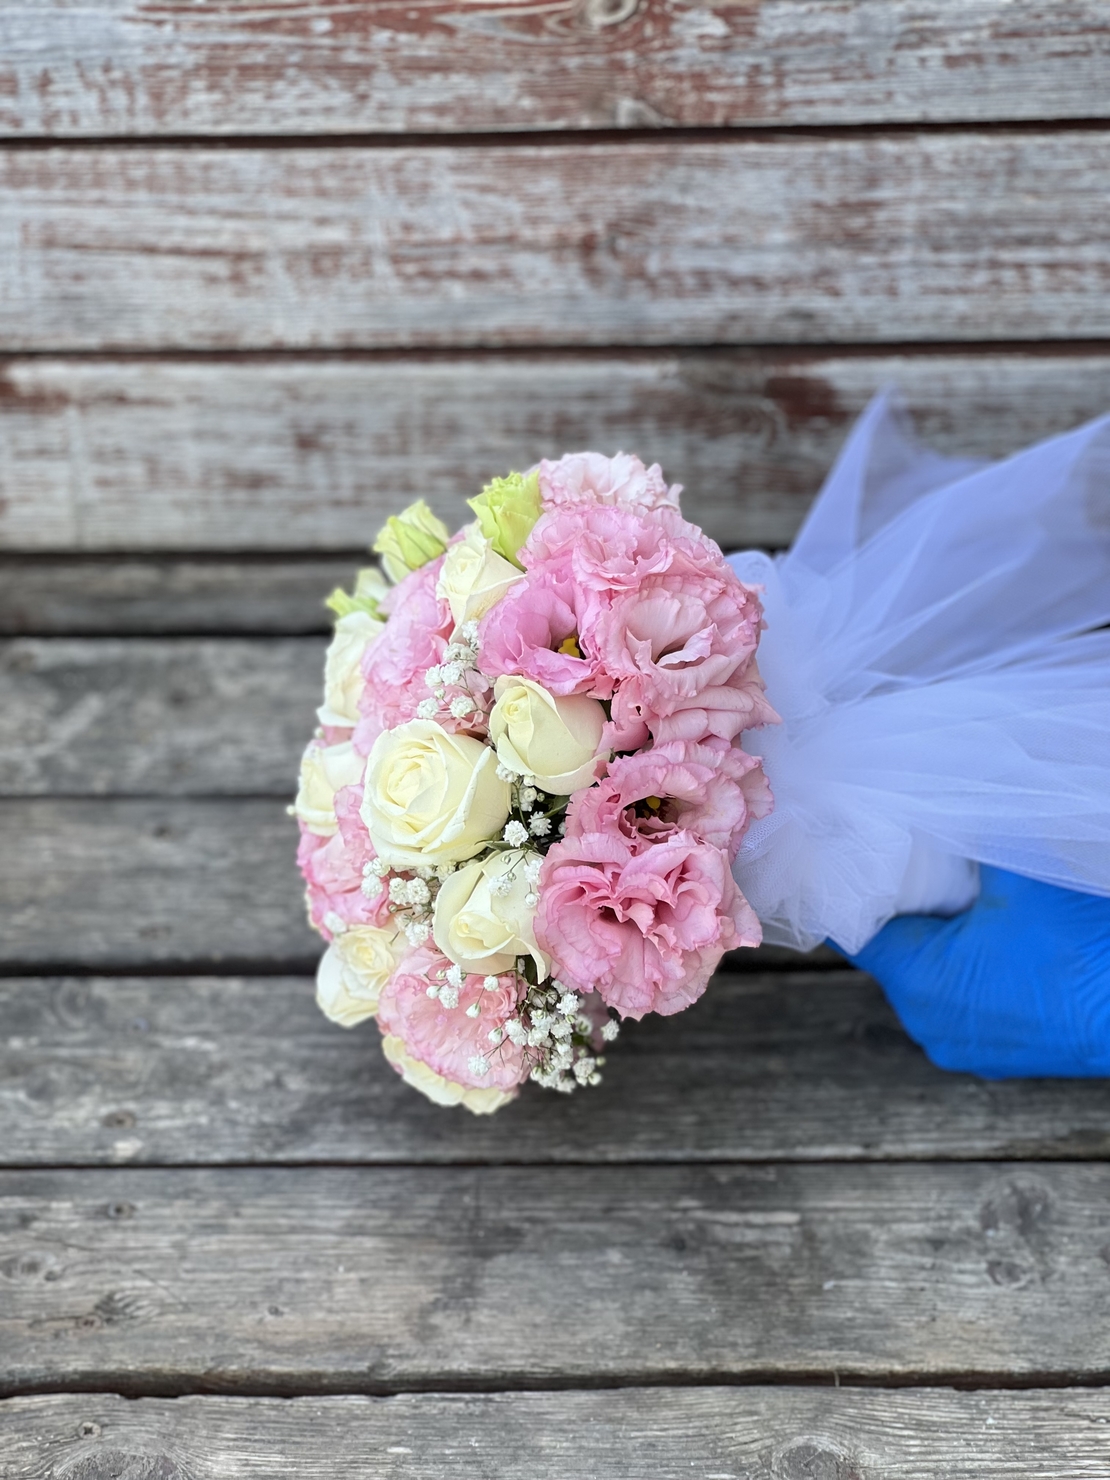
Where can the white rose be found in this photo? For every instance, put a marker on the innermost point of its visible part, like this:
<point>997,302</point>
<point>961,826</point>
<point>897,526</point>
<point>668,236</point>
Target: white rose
<point>554,738</point>
<point>325,769</point>
<point>431,797</point>
<point>482,929</point>
<point>343,680</point>
<point>354,969</point>
<point>474,577</point>
<point>439,1090</point>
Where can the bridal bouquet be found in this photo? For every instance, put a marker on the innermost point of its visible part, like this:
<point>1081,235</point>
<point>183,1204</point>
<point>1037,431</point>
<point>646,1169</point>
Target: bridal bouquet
<point>521,809</point>
<point>519,814</point>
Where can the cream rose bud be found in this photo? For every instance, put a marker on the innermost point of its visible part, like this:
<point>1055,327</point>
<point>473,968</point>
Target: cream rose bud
<point>343,680</point>
<point>354,969</point>
<point>482,929</point>
<point>474,577</point>
<point>325,769</point>
<point>554,738</point>
<point>431,797</point>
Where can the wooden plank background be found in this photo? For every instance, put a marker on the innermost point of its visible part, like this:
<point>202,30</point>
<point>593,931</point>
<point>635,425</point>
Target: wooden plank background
<point>266,273</point>
<point>964,235</point>
<point>232,67</point>
<point>770,1066</point>
<point>303,455</point>
<point>369,1279</point>
<point>788,1433</point>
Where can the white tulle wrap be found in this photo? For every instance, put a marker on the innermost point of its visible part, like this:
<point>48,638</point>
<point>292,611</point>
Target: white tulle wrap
<point>932,648</point>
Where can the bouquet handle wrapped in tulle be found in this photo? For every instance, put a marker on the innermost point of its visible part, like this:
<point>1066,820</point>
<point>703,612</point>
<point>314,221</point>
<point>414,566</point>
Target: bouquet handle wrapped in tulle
<point>933,648</point>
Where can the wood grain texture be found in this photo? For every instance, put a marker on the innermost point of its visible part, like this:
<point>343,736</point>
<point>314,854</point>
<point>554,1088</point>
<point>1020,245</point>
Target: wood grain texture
<point>371,1279</point>
<point>312,454</point>
<point>122,67</point>
<point>949,236</point>
<point>786,1066</point>
<point>63,596</point>
<point>157,717</point>
<point>120,882</point>
<point>723,1433</point>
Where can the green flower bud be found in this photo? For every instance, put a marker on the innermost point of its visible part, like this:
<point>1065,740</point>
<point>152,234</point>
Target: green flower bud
<point>370,590</point>
<point>507,508</point>
<point>410,539</point>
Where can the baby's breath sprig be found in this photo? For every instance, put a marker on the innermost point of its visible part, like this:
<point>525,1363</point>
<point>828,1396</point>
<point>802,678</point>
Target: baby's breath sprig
<point>412,896</point>
<point>556,1038</point>
<point>457,670</point>
<point>536,819</point>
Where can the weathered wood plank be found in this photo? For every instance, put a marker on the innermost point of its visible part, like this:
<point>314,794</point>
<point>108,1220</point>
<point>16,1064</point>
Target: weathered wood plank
<point>264,454</point>
<point>800,1066</point>
<point>363,1279</point>
<point>108,596</point>
<point>121,67</point>
<point>862,238</point>
<point>126,882</point>
<point>156,717</point>
<point>726,1433</point>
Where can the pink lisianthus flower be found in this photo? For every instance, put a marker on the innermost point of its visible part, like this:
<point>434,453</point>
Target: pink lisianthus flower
<point>682,647</point>
<point>607,549</point>
<point>414,639</point>
<point>533,631</point>
<point>714,790</point>
<point>589,477</point>
<point>718,712</point>
<point>444,1039</point>
<point>642,921</point>
<point>332,869</point>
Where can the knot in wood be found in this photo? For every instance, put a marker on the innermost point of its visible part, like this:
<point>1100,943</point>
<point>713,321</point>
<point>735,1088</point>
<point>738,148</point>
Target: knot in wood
<point>118,1464</point>
<point>814,1459</point>
<point>601,14</point>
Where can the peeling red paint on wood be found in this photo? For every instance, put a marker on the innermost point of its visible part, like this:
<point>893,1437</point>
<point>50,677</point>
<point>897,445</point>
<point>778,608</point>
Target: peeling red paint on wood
<point>312,454</point>
<point>282,67</point>
<point>948,236</point>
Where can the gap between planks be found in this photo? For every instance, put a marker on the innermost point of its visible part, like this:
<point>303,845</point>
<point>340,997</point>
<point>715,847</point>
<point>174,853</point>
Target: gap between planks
<point>479,139</point>
<point>270,1388</point>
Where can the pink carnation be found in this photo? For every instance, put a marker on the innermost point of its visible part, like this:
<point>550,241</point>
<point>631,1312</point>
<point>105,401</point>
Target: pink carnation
<point>527,630</point>
<point>445,1038</point>
<point>590,477</point>
<point>642,921</point>
<point>332,869</point>
<point>607,549</point>
<point>394,664</point>
<point>714,790</point>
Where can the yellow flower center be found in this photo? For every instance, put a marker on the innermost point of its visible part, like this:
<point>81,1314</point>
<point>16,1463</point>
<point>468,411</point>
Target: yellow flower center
<point>570,647</point>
